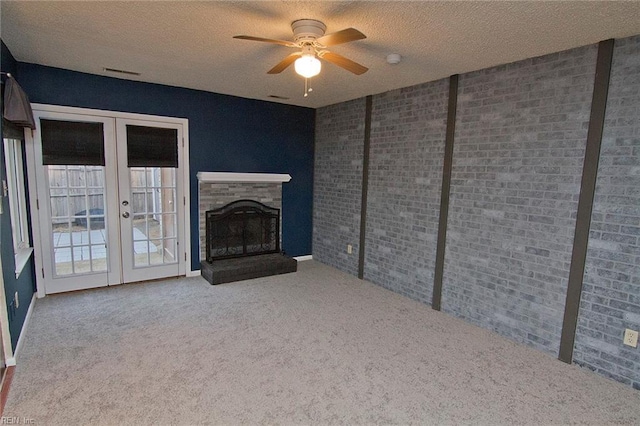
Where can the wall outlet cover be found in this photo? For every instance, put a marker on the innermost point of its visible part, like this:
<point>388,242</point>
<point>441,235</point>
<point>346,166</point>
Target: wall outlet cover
<point>631,338</point>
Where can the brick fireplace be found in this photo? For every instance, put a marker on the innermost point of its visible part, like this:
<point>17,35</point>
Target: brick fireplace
<point>218,189</point>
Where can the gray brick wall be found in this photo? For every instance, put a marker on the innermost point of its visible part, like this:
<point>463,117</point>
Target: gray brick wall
<point>611,288</point>
<point>213,195</point>
<point>408,129</point>
<point>337,190</point>
<point>520,136</point>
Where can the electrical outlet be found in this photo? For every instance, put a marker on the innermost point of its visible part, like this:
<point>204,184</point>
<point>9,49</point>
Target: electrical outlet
<point>15,298</point>
<point>349,248</point>
<point>630,338</point>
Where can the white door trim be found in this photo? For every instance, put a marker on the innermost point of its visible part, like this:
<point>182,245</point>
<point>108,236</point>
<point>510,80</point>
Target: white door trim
<point>35,196</point>
<point>105,113</point>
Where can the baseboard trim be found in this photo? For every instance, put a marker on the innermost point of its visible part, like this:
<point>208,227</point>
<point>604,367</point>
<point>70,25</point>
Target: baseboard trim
<point>195,273</point>
<point>24,328</point>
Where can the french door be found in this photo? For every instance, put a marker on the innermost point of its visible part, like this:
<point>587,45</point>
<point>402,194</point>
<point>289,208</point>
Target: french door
<point>110,203</point>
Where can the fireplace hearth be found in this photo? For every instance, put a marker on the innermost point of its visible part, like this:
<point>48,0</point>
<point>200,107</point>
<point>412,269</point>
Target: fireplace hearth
<point>243,242</point>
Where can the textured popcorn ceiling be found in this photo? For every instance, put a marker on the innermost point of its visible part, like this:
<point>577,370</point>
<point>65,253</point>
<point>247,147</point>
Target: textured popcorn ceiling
<point>190,44</point>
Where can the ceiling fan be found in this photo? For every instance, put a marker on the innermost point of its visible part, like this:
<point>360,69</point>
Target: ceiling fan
<point>309,37</point>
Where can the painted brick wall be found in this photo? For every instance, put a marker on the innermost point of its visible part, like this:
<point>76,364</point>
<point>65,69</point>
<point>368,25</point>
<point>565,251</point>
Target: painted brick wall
<point>408,129</point>
<point>520,136</point>
<point>611,288</point>
<point>337,191</point>
<point>213,195</point>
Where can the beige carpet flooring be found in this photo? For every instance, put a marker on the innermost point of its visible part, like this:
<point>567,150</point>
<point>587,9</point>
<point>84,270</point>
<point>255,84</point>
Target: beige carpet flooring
<point>314,347</point>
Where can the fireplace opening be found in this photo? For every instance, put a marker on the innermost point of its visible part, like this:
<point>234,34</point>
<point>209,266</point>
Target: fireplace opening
<point>242,228</point>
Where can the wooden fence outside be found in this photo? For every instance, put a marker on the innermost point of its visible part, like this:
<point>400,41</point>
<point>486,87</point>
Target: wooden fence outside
<point>78,189</point>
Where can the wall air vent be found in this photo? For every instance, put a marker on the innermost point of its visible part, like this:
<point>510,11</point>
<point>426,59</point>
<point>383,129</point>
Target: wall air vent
<point>121,71</point>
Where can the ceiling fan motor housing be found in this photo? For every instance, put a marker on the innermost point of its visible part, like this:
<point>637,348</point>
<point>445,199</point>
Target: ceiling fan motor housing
<point>307,30</point>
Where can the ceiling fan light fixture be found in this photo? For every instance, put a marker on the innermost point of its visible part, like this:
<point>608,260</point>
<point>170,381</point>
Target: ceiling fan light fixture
<point>308,65</point>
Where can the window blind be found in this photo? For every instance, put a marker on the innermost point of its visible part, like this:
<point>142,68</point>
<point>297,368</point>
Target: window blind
<point>152,147</point>
<point>72,143</point>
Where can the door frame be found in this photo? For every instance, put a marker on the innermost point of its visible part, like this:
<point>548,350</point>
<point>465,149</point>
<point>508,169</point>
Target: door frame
<point>34,196</point>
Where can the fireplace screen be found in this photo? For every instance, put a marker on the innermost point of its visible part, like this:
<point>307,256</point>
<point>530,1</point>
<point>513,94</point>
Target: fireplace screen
<point>242,228</point>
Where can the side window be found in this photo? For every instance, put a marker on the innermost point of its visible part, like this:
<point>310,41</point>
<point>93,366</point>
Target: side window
<point>16,191</point>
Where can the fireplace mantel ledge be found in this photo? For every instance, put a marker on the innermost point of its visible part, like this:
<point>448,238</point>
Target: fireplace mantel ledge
<point>209,177</point>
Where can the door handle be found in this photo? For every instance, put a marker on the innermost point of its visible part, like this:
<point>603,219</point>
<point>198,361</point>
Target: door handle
<point>125,215</point>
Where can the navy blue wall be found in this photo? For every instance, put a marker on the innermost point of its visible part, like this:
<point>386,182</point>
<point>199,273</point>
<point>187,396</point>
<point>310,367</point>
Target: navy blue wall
<point>25,284</point>
<point>226,133</point>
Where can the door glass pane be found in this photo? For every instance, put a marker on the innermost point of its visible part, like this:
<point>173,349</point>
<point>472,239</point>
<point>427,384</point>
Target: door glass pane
<point>76,175</point>
<point>169,224</point>
<point>99,257</point>
<point>154,194</point>
<point>170,250</point>
<point>76,197</point>
<point>156,250</point>
<point>168,198</point>
<point>138,201</point>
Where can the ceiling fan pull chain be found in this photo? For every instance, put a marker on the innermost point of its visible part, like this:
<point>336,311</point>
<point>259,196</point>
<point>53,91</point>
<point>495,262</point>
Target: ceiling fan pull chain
<point>306,87</point>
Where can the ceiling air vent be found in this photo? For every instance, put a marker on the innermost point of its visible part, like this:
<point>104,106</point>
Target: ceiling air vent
<point>121,71</point>
<point>278,97</point>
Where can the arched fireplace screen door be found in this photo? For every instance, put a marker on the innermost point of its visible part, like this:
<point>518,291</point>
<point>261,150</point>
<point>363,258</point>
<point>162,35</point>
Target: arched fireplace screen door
<point>110,207</point>
<point>242,228</point>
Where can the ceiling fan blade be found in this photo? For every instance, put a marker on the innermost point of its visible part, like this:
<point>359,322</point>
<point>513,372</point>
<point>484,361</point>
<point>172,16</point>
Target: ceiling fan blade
<point>283,64</point>
<point>343,62</point>
<point>344,36</point>
<point>267,40</point>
